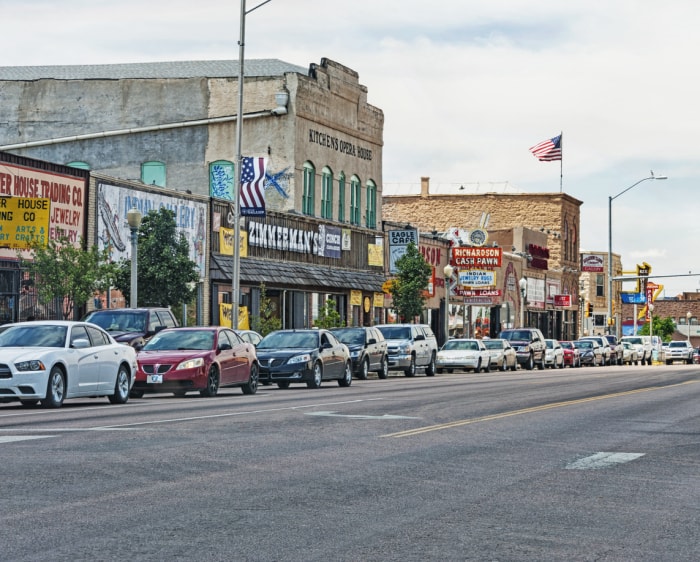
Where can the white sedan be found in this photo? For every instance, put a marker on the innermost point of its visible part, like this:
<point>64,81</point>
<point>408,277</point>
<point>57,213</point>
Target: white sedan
<point>503,355</point>
<point>51,360</point>
<point>463,354</point>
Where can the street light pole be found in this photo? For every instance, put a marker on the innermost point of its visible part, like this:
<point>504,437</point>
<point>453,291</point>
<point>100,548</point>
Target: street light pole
<point>688,316</point>
<point>448,271</point>
<point>523,293</point>
<point>610,254</point>
<point>133,219</point>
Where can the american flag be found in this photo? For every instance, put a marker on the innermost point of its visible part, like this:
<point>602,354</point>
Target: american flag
<point>252,186</point>
<point>548,150</point>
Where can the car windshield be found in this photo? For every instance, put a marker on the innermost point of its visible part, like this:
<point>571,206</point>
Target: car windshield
<point>567,344</point>
<point>122,321</point>
<point>584,344</point>
<point>279,340</point>
<point>395,332</point>
<point>460,345</point>
<point>34,336</point>
<point>516,336</point>
<point>169,340</point>
<point>350,336</point>
<point>637,341</point>
<point>493,344</point>
<point>677,344</point>
<point>550,344</point>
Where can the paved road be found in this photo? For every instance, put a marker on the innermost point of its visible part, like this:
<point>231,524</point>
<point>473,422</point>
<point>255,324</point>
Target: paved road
<point>574,464</point>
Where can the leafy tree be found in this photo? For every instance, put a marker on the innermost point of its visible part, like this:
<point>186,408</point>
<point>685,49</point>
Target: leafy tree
<point>166,274</point>
<point>267,321</point>
<point>663,327</point>
<point>328,316</point>
<point>68,274</point>
<point>408,289</point>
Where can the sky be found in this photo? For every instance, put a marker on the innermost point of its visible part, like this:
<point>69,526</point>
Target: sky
<point>466,87</point>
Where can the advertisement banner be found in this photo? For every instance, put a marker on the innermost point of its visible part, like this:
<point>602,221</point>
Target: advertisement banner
<point>487,258</point>
<point>24,221</point>
<point>476,278</point>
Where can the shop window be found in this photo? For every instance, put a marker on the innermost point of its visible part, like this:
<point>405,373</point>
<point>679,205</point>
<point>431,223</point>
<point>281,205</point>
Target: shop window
<point>308,196</point>
<point>79,165</point>
<point>355,200</point>
<point>371,209</point>
<point>327,193</point>
<point>153,173</point>
<point>222,180</point>
<point>600,285</point>
<point>341,197</point>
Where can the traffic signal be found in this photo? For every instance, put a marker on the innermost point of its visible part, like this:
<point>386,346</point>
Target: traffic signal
<point>589,309</point>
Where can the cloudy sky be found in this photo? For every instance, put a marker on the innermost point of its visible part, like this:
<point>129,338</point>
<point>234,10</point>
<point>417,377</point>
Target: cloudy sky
<point>466,86</point>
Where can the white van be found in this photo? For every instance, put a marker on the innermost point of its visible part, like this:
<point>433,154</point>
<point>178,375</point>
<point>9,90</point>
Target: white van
<point>643,345</point>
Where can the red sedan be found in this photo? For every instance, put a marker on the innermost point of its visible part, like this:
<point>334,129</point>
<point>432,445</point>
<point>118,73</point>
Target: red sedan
<point>203,359</point>
<point>572,355</point>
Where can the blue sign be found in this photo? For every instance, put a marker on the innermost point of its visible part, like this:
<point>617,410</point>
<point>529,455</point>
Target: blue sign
<point>633,298</point>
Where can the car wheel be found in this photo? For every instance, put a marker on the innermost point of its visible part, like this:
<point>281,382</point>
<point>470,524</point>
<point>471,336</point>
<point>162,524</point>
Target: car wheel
<point>315,382</point>
<point>410,371</point>
<point>55,389</point>
<point>364,371</point>
<point>136,393</point>
<point>477,369</point>
<point>384,370</point>
<point>561,365</point>
<point>530,365</point>
<point>283,384</point>
<point>487,368</point>
<point>541,365</point>
<point>121,386</point>
<point>504,365</point>
<point>251,387</point>
<point>514,366</point>
<point>347,376</point>
<point>212,383</point>
<point>430,369</point>
<point>31,402</point>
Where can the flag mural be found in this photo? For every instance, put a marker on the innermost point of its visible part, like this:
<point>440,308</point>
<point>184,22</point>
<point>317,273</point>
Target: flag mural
<point>252,196</point>
<point>548,150</point>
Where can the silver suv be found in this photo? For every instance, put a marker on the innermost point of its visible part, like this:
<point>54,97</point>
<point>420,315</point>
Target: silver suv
<point>529,344</point>
<point>643,345</point>
<point>410,347</point>
<point>679,350</point>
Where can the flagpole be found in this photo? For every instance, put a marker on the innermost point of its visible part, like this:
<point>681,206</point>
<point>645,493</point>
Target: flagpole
<point>561,162</point>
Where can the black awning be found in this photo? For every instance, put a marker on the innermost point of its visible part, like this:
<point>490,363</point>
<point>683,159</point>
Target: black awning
<point>275,273</point>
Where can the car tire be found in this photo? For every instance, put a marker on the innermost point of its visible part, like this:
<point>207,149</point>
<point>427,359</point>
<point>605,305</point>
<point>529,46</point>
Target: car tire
<point>347,376</point>
<point>561,365</point>
<point>487,369</point>
<point>212,383</point>
<point>477,369</point>
<point>410,371</point>
<point>317,377</point>
<point>530,364</point>
<point>55,389</point>
<point>121,386</point>
<point>384,370</point>
<point>364,369</point>
<point>514,367</point>
<point>541,365</point>
<point>504,366</point>
<point>251,387</point>
<point>283,384</point>
<point>430,369</point>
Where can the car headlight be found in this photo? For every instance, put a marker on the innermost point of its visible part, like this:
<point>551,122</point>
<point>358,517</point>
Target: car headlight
<point>33,365</point>
<point>405,348</point>
<point>303,358</point>
<point>354,354</point>
<point>191,364</point>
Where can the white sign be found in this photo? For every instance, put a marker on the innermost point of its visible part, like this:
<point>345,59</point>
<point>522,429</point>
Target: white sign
<point>475,278</point>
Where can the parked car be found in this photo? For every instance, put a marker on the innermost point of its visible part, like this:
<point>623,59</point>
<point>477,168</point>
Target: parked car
<point>196,359</point>
<point>368,350</point>
<point>310,356</point>
<point>604,345</point>
<point>572,354</point>
<point>679,350</point>
<point>615,349</point>
<point>50,361</point>
<point>529,346</point>
<point>554,354</point>
<point>250,336</point>
<point>629,353</point>
<point>463,354</point>
<point>502,354</point>
<point>132,326</point>
<point>643,345</point>
<point>410,347</point>
<point>591,353</point>
<point>696,355</point>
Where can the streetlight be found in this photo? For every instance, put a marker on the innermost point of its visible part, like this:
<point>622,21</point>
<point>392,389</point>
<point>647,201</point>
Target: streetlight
<point>610,259</point>
<point>523,293</point>
<point>448,271</point>
<point>688,315</point>
<point>133,218</point>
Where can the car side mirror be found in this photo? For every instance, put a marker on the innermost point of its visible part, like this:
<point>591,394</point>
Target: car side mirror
<point>420,337</point>
<point>326,345</point>
<point>371,341</point>
<point>80,343</point>
<point>225,346</point>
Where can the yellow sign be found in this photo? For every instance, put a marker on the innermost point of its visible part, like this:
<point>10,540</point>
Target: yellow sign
<point>24,221</point>
<point>643,270</point>
<point>226,242</point>
<point>375,255</point>
<point>378,300</point>
<point>355,298</point>
<point>225,316</point>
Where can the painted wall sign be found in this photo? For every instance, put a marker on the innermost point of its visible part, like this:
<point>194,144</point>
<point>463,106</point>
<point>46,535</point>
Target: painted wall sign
<point>339,145</point>
<point>24,221</point>
<point>326,241</point>
<point>398,242</point>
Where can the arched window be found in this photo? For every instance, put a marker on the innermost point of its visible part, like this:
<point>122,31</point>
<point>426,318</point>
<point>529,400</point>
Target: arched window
<point>341,197</point>
<point>79,165</point>
<point>153,173</point>
<point>327,193</point>
<point>355,200</point>
<point>222,180</point>
<point>307,198</point>
<point>371,208</point>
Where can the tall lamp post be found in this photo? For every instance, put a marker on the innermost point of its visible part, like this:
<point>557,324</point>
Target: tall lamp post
<point>523,293</point>
<point>448,271</point>
<point>610,259</point>
<point>688,316</point>
<point>133,218</point>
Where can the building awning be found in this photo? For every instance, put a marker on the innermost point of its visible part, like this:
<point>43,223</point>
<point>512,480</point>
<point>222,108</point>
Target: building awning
<point>292,274</point>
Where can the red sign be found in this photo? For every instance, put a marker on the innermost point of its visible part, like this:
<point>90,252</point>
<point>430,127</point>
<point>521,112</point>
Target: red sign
<point>477,292</point>
<point>562,300</point>
<point>480,258</point>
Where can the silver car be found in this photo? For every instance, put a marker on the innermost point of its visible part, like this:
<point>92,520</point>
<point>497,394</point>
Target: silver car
<point>503,355</point>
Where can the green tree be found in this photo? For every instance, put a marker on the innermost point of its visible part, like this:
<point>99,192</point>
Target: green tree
<point>328,316</point>
<point>410,284</point>
<point>67,274</point>
<point>267,321</point>
<point>663,327</point>
<point>166,274</point>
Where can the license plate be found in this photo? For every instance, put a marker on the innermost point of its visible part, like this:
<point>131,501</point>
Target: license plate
<point>154,379</point>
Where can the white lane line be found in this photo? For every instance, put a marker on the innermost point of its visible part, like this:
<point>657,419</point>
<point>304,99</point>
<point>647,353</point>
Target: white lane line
<point>15,438</point>
<point>602,460</point>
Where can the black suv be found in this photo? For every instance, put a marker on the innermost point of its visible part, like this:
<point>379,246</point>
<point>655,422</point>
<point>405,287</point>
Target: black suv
<point>367,350</point>
<point>132,326</point>
<point>529,344</point>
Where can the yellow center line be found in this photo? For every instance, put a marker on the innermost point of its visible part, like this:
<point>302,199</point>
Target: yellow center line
<point>458,423</point>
